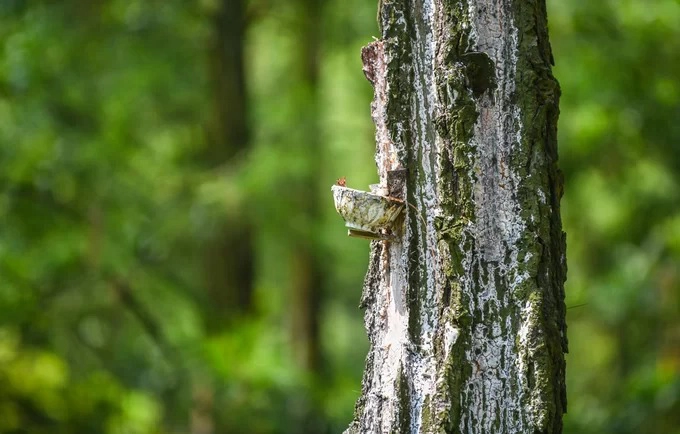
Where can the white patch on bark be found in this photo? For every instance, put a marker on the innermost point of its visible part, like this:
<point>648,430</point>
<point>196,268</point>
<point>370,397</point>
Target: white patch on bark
<point>541,196</point>
<point>392,341</point>
<point>451,334</point>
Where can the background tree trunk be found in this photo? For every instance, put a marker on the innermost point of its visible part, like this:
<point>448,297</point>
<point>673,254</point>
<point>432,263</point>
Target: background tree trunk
<point>307,279</point>
<point>229,257</point>
<point>465,310</point>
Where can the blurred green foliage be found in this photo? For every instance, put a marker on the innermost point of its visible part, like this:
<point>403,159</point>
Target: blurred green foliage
<point>620,151</point>
<point>107,205</point>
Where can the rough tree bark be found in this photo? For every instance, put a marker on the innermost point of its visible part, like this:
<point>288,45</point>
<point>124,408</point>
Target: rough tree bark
<point>465,309</point>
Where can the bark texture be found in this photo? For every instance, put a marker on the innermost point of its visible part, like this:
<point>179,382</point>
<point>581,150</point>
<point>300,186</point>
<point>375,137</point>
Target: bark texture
<point>465,310</point>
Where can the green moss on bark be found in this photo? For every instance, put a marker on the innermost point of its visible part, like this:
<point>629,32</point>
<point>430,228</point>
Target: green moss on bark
<point>404,400</point>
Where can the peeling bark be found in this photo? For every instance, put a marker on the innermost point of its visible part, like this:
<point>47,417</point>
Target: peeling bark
<point>465,309</point>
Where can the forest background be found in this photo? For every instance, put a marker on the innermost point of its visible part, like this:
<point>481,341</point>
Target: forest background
<point>170,259</point>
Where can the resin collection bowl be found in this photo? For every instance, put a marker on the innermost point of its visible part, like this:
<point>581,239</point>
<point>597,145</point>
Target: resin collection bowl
<point>365,213</point>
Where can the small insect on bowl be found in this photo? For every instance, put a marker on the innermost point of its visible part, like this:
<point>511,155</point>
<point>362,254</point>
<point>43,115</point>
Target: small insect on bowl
<point>366,214</point>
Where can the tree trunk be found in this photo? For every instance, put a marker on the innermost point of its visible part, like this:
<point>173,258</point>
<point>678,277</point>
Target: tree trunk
<point>229,256</point>
<point>307,279</point>
<point>465,308</point>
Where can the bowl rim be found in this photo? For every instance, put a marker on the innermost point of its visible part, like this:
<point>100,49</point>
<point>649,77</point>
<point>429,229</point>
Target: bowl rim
<point>368,193</point>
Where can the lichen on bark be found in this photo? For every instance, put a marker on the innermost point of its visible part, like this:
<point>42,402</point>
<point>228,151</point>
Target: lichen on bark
<point>465,311</point>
